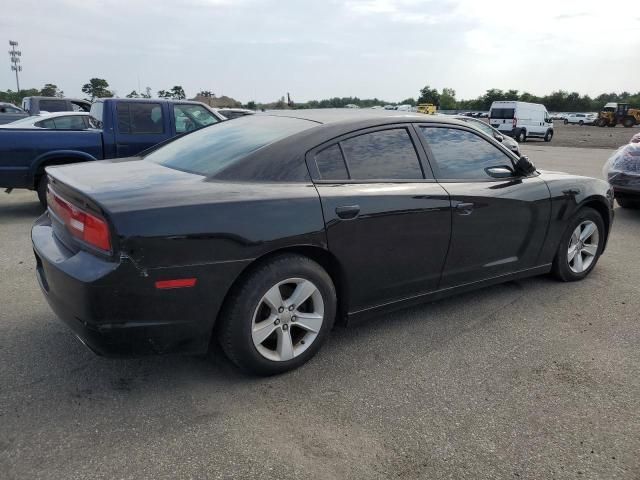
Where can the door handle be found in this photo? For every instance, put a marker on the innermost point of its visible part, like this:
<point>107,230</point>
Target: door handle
<point>347,212</point>
<point>464,208</point>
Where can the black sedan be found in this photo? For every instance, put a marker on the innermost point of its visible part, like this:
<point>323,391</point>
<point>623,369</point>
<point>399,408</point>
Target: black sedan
<point>263,231</point>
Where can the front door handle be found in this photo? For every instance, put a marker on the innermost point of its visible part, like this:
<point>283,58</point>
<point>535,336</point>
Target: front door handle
<point>347,212</point>
<point>464,208</point>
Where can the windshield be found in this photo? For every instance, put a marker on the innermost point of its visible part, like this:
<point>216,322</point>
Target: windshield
<point>210,150</point>
<point>506,113</point>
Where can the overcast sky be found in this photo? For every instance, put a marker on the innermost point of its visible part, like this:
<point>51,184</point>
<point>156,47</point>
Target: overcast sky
<point>261,49</point>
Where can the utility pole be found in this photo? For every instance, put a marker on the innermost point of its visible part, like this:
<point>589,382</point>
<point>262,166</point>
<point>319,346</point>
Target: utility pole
<point>15,60</point>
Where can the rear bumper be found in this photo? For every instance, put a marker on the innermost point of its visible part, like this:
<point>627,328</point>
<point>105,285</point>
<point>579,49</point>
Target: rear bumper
<point>114,308</point>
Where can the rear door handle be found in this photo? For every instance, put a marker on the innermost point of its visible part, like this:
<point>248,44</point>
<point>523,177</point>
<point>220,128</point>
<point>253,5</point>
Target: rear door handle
<point>464,208</point>
<point>347,212</point>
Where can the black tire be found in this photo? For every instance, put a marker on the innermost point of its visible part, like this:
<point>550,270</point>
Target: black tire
<point>566,122</point>
<point>581,123</point>
<point>629,122</point>
<point>548,136</point>
<point>236,318</point>
<point>601,123</point>
<point>42,190</point>
<point>561,269</point>
<point>611,125</point>
<point>521,137</point>
<point>629,202</point>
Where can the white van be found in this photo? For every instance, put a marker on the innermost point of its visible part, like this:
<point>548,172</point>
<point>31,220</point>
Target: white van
<point>521,120</point>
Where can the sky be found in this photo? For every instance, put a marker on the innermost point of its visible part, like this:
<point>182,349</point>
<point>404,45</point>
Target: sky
<point>261,49</point>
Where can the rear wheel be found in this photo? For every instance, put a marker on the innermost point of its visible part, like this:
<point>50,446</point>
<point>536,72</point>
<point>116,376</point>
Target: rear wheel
<point>566,122</point>
<point>279,316</point>
<point>522,136</point>
<point>581,123</point>
<point>629,202</point>
<point>548,136</point>
<point>42,190</point>
<point>580,246</point>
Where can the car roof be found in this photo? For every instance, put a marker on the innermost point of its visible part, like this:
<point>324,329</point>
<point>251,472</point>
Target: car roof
<point>348,115</point>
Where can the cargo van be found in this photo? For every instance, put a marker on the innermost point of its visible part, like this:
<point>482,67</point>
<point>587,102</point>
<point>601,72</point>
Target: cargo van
<point>521,120</point>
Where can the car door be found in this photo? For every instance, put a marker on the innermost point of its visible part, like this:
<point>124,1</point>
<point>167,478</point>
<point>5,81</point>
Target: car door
<point>140,125</point>
<point>387,221</point>
<point>498,225</point>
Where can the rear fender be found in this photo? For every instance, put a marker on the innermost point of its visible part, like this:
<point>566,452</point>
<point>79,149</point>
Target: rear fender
<point>57,157</point>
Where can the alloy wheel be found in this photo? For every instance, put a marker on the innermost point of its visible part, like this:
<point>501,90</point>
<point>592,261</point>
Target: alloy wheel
<point>287,319</point>
<point>583,246</point>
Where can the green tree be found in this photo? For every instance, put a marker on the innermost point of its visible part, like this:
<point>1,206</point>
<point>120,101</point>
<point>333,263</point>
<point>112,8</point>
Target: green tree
<point>409,101</point>
<point>429,95</point>
<point>133,94</point>
<point>448,99</point>
<point>251,105</point>
<point>51,90</point>
<point>147,93</point>
<point>97,88</point>
<point>164,94</point>
<point>177,92</point>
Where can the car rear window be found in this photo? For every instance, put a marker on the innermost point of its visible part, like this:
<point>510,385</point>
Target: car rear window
<point>502,113</point>
<point>214,148</point>
<point>53,105</point>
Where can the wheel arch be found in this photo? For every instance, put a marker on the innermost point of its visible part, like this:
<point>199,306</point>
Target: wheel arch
<point>320,255</point>
<point>60,157</point>
<point>600,206</point>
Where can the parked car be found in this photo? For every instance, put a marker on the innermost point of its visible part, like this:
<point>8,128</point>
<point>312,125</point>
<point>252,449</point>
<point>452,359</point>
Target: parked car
<point>581,119</point>
<point>262,231</point>
<point>10,113</point>
<point>487,129</point>
<point>521,120</point>
<point>123,128</point>
<point>558,116</point>
<point>622,170</point>
<point>38,105</point>
<point>390,107</point>
<point>55,121</point>
<point>230,113</point>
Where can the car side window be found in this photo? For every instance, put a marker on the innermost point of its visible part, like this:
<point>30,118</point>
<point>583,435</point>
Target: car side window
<point>462,155</point>
<point>383,154</point>
<point>192,117</point>
<point>49,123</point>
<point>71,122</point>
<point>331,164</point>
<point>139,118</point>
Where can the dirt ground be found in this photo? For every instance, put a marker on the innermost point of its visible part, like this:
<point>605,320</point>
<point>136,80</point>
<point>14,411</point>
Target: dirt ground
<point>588,136</point>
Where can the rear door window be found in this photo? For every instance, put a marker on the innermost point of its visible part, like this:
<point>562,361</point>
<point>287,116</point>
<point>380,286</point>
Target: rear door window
<point>331,164</point>
<point>462,155</point>
<point>502,113</point>
<point>139,118</point>
<point>382,155</point>
<point>53,105</point>
<point>71,122</point>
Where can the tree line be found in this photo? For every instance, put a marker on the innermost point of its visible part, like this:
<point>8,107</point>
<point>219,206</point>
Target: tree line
<point>445,99</point>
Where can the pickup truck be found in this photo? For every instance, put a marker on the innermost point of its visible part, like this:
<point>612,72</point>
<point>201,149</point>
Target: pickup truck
<point>119,128</point>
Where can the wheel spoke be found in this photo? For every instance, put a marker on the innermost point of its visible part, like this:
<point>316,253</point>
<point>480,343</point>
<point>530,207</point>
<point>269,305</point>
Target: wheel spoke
<point>311,322</point>
<point>590,250</point>
<point>572,252</point>
<point>589,228</point>
<point>273,298</point>
<point>302,292</point>
<point>262,330</point>
<point>577,263</point>
<point>285,344</point>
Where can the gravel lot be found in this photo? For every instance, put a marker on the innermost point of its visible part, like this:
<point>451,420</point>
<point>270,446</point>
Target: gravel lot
<point>532,379</point>
<point>588,136</point>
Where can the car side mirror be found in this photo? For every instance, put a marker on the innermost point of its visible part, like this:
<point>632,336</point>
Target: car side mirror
<point>499,172</point>
<point>524,166</point>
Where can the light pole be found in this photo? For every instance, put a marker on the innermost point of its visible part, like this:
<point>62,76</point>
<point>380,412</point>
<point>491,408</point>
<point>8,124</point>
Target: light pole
<point>15,60</point>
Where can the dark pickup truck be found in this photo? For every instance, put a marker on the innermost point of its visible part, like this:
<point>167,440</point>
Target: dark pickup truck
<point>121,128</point>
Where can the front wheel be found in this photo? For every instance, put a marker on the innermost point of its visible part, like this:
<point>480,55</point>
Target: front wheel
<point>629,122</point>
<point>580,246</point>
<point>548,136</point>
<point>581,123</point>
<point>279,316</point>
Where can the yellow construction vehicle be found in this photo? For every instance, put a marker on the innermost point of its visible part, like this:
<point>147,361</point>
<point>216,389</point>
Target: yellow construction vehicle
<point>428,108</point>
<point>615,113</point>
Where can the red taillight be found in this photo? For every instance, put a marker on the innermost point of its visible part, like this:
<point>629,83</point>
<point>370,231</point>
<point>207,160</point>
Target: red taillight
<point>82,225</point>
<point>515,122</point>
